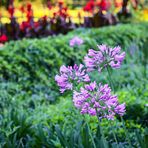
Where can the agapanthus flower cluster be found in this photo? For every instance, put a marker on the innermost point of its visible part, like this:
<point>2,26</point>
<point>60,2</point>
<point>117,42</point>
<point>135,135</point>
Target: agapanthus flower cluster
<point>76,41</point>
<point>105,56</point>
<point>70,74</point>
<point>93,99</point>
<point>96,99</point>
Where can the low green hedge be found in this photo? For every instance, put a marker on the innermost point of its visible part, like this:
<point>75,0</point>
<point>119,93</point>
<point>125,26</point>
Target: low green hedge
<point>33,61</point>
<point>28,66</point>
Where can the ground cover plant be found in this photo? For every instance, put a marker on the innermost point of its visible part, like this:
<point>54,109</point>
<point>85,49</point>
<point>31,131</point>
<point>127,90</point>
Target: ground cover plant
<point>34,113</point>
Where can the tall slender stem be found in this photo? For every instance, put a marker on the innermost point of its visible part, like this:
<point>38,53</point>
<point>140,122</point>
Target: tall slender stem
<point>101,131</point>
<point>114,134</point>
<point>127,135</point>
<point>112,86</point>
<point>110,78</point>
<point>92,139</point>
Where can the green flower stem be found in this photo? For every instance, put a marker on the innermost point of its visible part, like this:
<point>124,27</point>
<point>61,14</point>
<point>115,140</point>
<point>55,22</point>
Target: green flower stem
<point>126,132</point>
<point>114,134</point>
<point>89,130</point>
<point>101,131</point>
<point>92,139</point>
<point>112,86</point>
<point>110,79</point>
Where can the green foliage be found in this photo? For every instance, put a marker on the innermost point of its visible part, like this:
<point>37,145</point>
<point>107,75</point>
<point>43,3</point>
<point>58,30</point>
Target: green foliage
<point>34,114</point>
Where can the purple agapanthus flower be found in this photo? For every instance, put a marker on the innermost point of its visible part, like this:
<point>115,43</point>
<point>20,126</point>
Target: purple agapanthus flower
<point>103,57</point>
<point>76,41</point>
<point>70,74</point>
<point>96,99</point>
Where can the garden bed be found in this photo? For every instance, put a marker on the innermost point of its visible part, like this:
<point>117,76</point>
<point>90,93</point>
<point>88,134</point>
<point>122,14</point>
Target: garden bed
<point>30,102</point>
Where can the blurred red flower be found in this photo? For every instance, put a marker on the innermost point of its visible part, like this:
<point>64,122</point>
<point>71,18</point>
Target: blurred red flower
<point>60,3</point>
<point>104,5</point>
<point>24,25</point>
<point>29,7</point>
<point>89,6</point>
<point>11,10</point>
<point>3,38</point>
<point>49,5</point>
<point>22,9</point>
